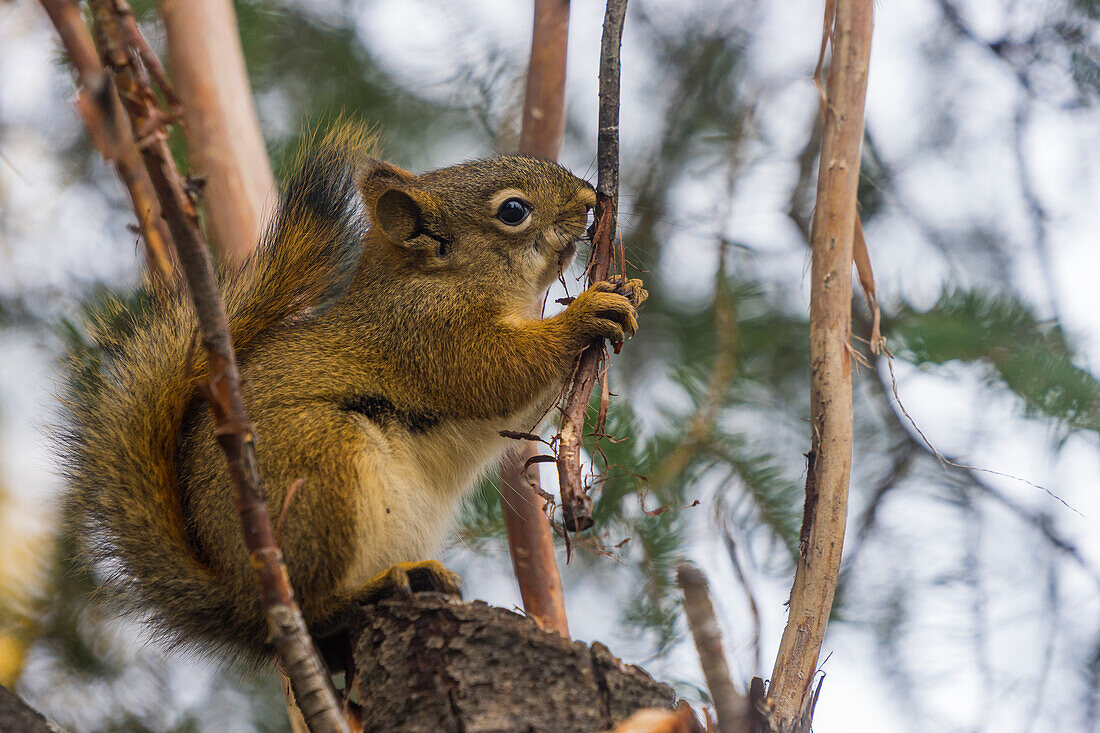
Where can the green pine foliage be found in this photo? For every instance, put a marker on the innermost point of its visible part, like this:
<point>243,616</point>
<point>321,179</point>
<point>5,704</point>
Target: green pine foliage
<point>1026,354</point>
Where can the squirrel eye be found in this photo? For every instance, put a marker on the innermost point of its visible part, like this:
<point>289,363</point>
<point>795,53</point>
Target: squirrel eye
<point>514,211</point>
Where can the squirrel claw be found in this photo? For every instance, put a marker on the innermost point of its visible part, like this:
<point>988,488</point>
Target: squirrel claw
<point>405,578</point>
<point>631,288</point>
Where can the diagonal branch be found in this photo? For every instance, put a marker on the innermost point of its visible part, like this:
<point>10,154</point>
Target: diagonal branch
<point>147,119</point>
<point>101,110</point>
<point>734,710</point>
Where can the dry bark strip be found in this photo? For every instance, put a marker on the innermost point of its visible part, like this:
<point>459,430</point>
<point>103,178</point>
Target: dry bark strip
<point>822,537</point>
<point>576,505</point>
<point>435,664</point>
<point>530,540</point>
<point>114,39</point>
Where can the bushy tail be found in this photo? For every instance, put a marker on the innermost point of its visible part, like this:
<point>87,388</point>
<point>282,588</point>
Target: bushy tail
<point>126,398</point>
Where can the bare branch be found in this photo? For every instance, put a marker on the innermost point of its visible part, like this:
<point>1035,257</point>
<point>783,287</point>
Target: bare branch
<point>101,110</point>
<point>223,134</point>
<point>544,97</point>
<point>830,368</point>
<point>735,714</point>
<point>530,539</point>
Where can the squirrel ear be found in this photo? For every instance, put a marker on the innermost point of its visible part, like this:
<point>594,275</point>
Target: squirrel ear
<point>378,175</point>
<point>398,215</point>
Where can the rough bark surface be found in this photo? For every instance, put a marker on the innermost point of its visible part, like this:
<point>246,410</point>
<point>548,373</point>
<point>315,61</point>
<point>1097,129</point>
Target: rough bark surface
<point>437,664</point>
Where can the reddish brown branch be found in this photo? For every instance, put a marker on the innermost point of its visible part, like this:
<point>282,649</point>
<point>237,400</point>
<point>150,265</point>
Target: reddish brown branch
<point>223,134</point>
<point>576,505</point>
<point>544,96</point>
<point>530,540</point>
<point>148,59</point>
<point>833,230</point>
<point>286,625</point>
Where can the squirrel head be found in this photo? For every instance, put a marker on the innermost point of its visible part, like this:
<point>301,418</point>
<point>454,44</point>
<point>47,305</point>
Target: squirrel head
<point>498,221</point>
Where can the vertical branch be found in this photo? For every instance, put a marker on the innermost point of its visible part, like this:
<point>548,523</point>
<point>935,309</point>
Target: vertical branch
<point>223,134</point>
<point>544,96</point>
<point>576,505</point>
<point>120,49</point>
<point>530,541</point>
<point>830,454</point>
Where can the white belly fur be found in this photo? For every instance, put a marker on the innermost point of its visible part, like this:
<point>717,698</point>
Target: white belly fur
<point>411,487</point>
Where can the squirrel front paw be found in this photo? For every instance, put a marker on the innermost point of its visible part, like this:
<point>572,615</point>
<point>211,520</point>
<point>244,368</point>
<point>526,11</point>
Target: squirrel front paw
<point>608,309</point>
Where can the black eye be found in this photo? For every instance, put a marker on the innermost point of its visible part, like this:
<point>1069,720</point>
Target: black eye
<point>514,212</point>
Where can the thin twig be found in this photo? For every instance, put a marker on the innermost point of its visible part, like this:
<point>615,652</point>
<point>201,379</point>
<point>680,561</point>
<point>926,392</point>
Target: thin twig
<point>575,502</point>
<point>750,597</point>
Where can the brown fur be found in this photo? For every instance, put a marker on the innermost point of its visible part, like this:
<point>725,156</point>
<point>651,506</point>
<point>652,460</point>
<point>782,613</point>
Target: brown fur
<point>381,353</point>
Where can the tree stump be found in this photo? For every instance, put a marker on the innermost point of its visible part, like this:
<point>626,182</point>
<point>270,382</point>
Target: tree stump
<point>436,664</point>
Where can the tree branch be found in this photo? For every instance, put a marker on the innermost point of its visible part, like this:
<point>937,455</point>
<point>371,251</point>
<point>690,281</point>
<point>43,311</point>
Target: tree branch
<point>434,663</point>
<point>530,540</point>
<point>223,134</point>
<point>544,96</point>
<point>101,110</point>
<point>830,368</point>
<point>114,39</point>
<point>734,711</point>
